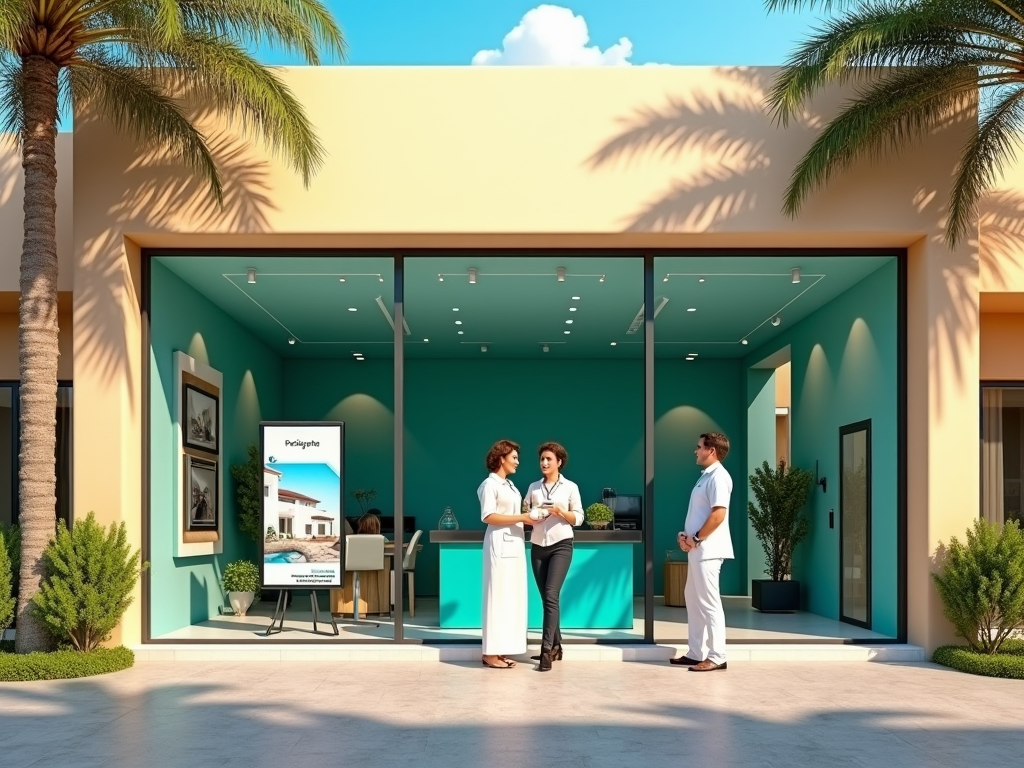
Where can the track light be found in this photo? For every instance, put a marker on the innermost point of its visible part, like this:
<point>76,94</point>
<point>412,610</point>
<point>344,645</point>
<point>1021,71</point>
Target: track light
<point>291,340</point>
<point>380,279</point>
<point>795,273</point>
<point>440,278</point>
<point>546,348</point>
<point>664,279</point>
<point>744,342</point>
<point>483,347</point>
<point>472,276</point>
<point>561,274</point>
<point>776,321</point>
<point>250,275</point>
<point>601,279</point>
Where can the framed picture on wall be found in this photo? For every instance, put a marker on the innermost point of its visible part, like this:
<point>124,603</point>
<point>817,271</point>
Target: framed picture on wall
<point>200,423</point>
<point>201,495</point>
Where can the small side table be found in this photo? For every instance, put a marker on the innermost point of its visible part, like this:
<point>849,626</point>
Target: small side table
<point>674,579</point>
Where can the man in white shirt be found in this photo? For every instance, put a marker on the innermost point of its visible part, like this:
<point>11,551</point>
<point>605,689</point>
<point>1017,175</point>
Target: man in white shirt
<point>707,543</point>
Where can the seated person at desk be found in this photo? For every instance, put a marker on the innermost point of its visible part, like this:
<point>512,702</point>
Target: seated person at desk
<point>369,523</point>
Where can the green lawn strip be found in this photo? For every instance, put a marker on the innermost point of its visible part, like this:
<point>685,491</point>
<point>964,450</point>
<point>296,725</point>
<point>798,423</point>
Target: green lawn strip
<point>61,665</point>
<point>1008,663</point>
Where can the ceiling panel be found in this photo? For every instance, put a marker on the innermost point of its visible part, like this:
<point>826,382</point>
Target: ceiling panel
<point>335,306</point>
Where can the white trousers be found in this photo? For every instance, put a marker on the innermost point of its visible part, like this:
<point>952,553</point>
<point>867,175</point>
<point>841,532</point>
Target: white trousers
<point>705,616</point>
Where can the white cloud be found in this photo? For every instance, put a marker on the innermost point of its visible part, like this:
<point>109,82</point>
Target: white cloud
<point>554,36</point>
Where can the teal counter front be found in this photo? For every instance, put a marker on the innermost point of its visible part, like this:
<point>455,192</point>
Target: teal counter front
<point>598,590</point>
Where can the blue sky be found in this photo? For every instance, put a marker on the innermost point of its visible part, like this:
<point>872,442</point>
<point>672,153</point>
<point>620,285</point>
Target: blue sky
<point>316,480</point>
<point>452,32</point>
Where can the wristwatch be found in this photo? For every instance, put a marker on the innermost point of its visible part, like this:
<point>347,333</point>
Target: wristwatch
<point>696,540</point>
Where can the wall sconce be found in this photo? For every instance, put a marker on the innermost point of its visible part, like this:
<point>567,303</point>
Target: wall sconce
<point>472,276</point>
<point>250,275</point>
<point>795,272</point>
<point>561,274</point>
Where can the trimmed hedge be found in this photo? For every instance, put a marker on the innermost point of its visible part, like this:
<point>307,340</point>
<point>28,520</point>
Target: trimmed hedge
<point>1009,662</point>
<point>64,665</point>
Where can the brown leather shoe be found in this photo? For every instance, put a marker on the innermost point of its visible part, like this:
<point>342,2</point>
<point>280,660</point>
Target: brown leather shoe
<point>684,661</point>
<point>708,666</point>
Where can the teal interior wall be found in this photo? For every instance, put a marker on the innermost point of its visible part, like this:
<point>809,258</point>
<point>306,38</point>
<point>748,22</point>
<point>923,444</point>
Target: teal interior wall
<point>187,590</point>
<point>692,398</point>
<point>844,368</point>
<point>761,448</point>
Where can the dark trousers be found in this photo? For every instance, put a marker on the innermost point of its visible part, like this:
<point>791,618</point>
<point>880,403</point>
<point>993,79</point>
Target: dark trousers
<point>550,565</point>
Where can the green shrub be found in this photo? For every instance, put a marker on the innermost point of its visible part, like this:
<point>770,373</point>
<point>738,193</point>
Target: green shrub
<point>241,576</point>
<point>63,665</point>
<point>598,513</point>
<point>249,493</point>
<point>89,577</point>
<point>1009,662</point>
<point>12,535</point>
<point>982,584</point>
<point>7,601</point>
<point>781,493</point>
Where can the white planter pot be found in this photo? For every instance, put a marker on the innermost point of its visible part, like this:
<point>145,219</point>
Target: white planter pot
<point>240,601</point>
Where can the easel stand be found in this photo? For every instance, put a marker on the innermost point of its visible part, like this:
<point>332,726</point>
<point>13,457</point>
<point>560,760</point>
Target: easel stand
<point>282,604</point>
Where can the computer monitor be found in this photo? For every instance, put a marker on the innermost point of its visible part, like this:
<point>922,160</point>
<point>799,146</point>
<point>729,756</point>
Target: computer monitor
<point>628,509</point>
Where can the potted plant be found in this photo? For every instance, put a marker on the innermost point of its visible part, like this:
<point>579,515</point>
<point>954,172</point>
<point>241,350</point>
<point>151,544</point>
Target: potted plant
<point>241,580</point>
<point>781,494</point>
<point>363,497</point>
<point>598,515</point>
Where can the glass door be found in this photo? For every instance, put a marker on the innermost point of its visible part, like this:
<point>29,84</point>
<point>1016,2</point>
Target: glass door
<point>855,523</point>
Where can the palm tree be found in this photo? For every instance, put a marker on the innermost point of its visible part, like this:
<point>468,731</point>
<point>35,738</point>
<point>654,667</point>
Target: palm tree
<point>936,56</point>
<point>135,63</point>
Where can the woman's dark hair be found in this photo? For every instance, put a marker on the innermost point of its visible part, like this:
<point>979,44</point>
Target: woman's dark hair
<point>368,523</point>
<point>499,451</point>
<point>557,449</point>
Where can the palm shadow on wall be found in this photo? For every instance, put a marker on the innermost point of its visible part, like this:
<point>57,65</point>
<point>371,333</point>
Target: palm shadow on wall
<point>724,126</point>
<point>161,195</point>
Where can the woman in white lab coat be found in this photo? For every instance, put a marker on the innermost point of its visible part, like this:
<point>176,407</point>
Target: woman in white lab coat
<point>504,573</point>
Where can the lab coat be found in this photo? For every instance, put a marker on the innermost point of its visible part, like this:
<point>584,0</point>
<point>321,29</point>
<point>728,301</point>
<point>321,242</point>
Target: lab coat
<point>504,572</point>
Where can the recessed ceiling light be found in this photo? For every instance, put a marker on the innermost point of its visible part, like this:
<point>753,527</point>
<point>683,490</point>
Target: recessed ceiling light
<point>426,341</point>
<point>483,347</point>
<point>567,332</point>
<point>568,322</point>
<point>689,358</point>
<point>360,359</point>
<point>351,309</point>
<point>572,309</point>
<point>691,309</point>
<point>614,343</point>
<point>460,333</point>
<point>575,298</point>
<point>357,354</point>
<point>692,354</point>
<point>341,279</point>
<point>744,342</point>
<point>458,322</point>
<point>701,280</point>
<point>291,341</point>
<point>546,348</point>
<point>455,309</point>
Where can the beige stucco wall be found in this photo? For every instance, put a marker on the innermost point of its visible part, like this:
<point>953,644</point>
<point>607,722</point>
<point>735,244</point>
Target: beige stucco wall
<point>1002,342</point>
<point>645,157</point>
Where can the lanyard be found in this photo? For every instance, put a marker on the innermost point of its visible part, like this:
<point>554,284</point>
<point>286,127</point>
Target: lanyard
<point>547,493</point>
<point>514,489</point>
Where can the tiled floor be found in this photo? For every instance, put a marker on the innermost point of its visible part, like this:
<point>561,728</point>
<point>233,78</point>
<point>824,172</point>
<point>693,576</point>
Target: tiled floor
<point>745,625</point>
<point>580,715</point>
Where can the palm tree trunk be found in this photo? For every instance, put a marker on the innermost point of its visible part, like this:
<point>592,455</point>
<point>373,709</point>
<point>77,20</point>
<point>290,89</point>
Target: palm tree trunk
<point>37,342</point>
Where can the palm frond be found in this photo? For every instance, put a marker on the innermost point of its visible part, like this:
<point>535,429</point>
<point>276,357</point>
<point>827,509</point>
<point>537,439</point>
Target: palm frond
<point>13,17</point>
<point>889,114</point>
<point>12,105</point>
<point>997,140</point>
<point>810,5</point>
<point>220,75</point>
<point>137,106</point>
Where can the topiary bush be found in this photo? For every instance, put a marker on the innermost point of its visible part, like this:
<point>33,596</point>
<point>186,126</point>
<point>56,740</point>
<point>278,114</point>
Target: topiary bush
<point>63,665</point>
<point>241,576</point>
<point>7,601</point>
<point>1009,662</point>
<point>982,584</point>
<point>12,535</point>
<point>249,494</point>
<point>777,519</point>
<point>89,576</point>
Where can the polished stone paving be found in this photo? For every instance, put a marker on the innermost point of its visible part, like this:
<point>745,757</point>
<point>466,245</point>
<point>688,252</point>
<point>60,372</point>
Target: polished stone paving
<point>580,715</point>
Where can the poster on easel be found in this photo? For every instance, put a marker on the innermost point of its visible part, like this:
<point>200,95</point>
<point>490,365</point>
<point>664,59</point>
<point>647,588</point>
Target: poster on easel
<point>303,512</point>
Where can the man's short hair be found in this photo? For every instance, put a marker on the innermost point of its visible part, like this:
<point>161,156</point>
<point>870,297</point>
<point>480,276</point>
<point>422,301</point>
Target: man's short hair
<point>719,442</point>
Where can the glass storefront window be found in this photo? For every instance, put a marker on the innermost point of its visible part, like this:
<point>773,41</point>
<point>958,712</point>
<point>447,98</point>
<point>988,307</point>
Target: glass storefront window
<point>1002,453</point>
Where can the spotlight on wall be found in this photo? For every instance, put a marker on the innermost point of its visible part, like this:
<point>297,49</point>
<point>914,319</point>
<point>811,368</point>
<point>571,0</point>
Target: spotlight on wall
<point>472,276</point>
<point>291,340</point>
<point>483,347</point>
<point>250,275</point>
<point>561,274</point>
<point>795,272</point>
<point>776,321</point>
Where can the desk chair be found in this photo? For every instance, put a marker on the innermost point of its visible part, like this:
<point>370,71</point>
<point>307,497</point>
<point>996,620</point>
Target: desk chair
<point>409,568</point>
<point>363,552</point>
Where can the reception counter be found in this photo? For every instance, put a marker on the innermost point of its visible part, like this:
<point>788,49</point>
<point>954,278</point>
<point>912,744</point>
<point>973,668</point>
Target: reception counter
<point>598,591</point>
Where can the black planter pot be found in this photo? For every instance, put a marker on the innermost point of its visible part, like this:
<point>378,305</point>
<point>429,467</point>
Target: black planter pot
<point>775,596</point>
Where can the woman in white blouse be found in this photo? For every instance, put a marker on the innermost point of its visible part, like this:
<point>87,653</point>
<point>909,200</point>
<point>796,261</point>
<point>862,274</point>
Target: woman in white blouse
<point>504,581</point>
<point>554,502</point>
